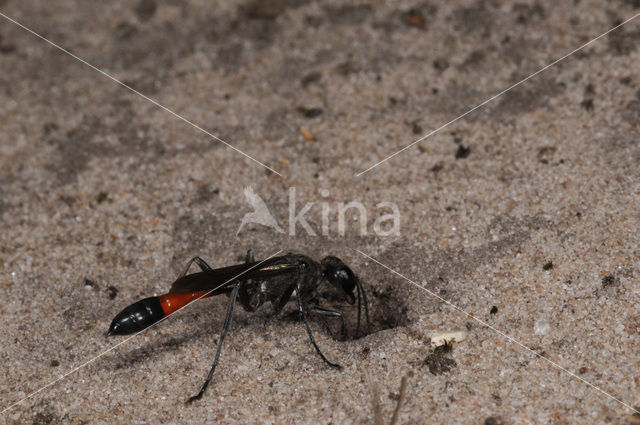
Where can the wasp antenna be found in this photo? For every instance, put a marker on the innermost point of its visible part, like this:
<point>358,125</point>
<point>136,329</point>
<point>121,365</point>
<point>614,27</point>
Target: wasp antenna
<point>366,305</point>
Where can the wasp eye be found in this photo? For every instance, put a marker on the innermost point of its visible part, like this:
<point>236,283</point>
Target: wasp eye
<point>346,279</point>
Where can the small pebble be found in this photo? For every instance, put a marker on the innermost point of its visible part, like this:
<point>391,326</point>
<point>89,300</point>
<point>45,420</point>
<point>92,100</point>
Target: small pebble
<point>89,284</point>
<point>442,337</point>
<point>541,328</point>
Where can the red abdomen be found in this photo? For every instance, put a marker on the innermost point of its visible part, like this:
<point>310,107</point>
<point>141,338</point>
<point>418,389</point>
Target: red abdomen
<point>175,300</point>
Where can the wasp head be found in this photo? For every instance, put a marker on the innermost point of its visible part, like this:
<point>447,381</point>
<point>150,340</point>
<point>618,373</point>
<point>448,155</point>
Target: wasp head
<point>340,276</point>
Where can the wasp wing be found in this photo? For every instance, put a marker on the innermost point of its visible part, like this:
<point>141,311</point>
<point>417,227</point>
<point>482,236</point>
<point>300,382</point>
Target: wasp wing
<point>223,279</point>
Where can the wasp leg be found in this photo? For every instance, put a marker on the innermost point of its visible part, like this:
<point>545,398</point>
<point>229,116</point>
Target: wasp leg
<point>366,308</point>
<point>286,296</point>
<point>301,309</point>
<point>225,330</point>
<point>250,296</point>
<point>199,261</point>
<point>330,313</point>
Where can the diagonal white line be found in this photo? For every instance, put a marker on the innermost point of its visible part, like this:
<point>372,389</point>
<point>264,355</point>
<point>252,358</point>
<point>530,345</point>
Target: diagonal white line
<point>499,332</point>
<point>494,97</point>
<point>130,337</point>
<point>213,136</point>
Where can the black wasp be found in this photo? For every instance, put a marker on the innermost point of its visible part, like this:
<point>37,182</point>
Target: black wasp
<point>277,280</point>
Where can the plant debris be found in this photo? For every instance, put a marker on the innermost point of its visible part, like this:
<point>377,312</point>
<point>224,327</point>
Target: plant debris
<point>310,112</point>
<point>462,152</point>
<point>439,361</point>
<point>375,400</point>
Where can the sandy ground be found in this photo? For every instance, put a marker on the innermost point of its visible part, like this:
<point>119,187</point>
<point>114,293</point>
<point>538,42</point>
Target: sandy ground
<point>523,213</point>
